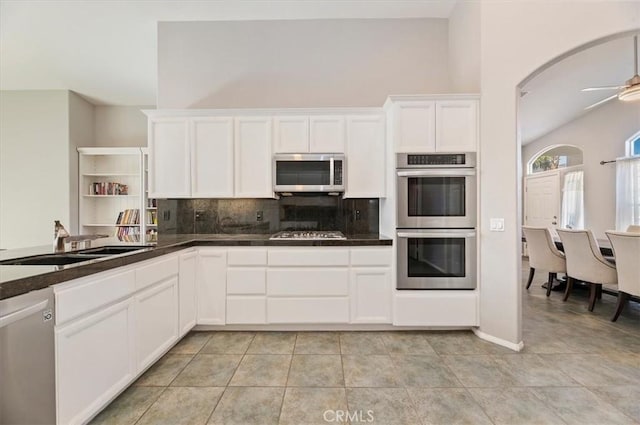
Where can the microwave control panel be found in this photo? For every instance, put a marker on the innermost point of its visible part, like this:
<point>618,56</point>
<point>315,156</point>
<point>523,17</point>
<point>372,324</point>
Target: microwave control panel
<point>456,160</point>
<point>337,173</point>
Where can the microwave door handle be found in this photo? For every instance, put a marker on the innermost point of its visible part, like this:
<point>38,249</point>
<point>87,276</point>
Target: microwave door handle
<point>436,235</point>
<point>438,172</point>
<point>331,172</point>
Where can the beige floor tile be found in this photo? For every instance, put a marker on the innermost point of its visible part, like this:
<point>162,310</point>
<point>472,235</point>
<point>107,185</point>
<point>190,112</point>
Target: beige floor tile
<point>312,406</point>
<point>164,371</point>
<point>369,371</point>
<point>407,343</point>
<point>447,406</point>
<point>129,406</point>
<point>317,343</point>
<point>478,371</point>
<point>624,398</point>
<point>530,370</point>
<point>510,406</point>
<point>228,343</point>
<point>312,370</point>
<point>182,405</point>
<point>208,370</point>
<point>424,371</point>
<point>248,406</point>
<point>273,343</point>
<point>191,343</point>
<point>265,370</point>
<point>390,406</point>
<point>362,343</point>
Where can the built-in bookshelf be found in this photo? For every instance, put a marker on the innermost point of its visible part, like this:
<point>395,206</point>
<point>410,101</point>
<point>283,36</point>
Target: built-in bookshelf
<point>113,196</point>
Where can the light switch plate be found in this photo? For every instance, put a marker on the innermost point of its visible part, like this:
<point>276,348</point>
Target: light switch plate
<point>496,225</point>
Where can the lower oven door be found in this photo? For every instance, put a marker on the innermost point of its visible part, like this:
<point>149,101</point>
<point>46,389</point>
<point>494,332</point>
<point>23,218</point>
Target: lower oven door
<point>437,259</point>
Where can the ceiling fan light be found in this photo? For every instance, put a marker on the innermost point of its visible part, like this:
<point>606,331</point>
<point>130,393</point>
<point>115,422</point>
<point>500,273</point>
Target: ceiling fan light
<point>630,94</point>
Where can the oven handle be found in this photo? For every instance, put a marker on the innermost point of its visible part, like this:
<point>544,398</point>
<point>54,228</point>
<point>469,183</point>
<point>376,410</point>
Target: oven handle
<point>441,172</point>
<point>463,234</point>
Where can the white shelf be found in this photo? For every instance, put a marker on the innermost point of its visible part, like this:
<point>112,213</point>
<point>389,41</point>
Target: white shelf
<point>110,174</point>
<point>152,208</point>
<point>152,225</point>
<point>110,225</point>
<point>111,196</point>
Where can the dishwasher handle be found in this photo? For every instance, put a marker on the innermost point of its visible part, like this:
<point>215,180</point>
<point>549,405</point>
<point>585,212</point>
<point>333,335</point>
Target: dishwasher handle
<point>22,313</point>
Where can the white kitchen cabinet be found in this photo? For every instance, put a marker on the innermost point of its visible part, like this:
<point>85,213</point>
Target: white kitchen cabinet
<point>291,134</point>
<point>169,158</point>
<point>187,291</point>
<point>156,321</point>
<point>308,310</point>
<point>211,286</point>
<point>95,360</point>
<point>246,309</point>
<point>371,295</point>
<point>212,157</point>
<point>456,125</point>
<point>326,134</point>
<point>426,124</point>
<point>253,162</point>
<point>435,308</point>
<point>365,157</point>
<point>414,126</point>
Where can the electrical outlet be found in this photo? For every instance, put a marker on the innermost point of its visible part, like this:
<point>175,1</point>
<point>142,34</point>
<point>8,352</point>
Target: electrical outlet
<point>259,216</point>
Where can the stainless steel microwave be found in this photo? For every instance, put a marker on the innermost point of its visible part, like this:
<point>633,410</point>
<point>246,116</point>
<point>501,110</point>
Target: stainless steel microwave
<point>315,172</point>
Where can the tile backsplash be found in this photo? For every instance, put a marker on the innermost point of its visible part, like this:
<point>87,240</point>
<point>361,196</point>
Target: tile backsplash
<point>351,216</point>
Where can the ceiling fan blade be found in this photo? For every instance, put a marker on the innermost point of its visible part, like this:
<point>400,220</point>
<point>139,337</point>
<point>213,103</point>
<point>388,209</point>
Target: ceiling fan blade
<point>601,102</point>
<point>603,88</point>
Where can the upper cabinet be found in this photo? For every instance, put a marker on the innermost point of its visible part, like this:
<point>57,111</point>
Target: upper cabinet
<point>253,162</point>
<point>169,158</point>
<point>212,157</point>
<point>365,157</point>
<point>308,134</point>
<point>434,124</point>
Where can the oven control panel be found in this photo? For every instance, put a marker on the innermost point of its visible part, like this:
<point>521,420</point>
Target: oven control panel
<point>427,160</point>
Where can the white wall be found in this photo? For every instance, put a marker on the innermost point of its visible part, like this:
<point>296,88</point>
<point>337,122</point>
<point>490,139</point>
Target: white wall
<point>516,39</point>
<point>302,63</point>
<point>601,135</point>
<point>120,126</point>
<point>34,166</point>
<point>81,120</point>
<point>464,47</point>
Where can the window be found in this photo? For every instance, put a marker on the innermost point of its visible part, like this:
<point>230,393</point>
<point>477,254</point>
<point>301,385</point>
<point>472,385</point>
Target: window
<point>628,185</point>
<point>573,201</point>
<point>555,157</point>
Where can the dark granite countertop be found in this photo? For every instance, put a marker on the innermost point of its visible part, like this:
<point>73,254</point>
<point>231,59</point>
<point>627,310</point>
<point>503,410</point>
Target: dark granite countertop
<point>17,280</point>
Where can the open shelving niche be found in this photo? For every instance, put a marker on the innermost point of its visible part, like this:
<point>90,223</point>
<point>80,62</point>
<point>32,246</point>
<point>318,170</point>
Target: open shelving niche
<point>99,209</point>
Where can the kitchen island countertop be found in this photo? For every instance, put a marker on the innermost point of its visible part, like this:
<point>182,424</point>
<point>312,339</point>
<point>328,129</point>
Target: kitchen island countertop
<point>20,279</point>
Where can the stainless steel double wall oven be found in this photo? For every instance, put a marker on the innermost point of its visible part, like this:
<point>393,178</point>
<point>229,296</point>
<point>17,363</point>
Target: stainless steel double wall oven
<point>437,199</point>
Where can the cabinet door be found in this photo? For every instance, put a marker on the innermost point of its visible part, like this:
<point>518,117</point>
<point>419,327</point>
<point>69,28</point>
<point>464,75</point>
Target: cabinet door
<point>291,134</point>
<point>169,162</point>
<point>365,157</point>
<point>95,360</point>
<point>156,321</point>
<point>326,134</point>
<point>253,162</point>
<point>211,286</point>
<point>414,126</point>
<point>187,291</point>
<point>371,295</point>
<point>212,157</point>
<point>456,126</point>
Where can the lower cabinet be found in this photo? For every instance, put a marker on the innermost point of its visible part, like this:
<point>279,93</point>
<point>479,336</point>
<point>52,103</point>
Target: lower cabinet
<point>156,321</point>
<point>211,286</point>
<point>187,309</point>
<point>95,359</point>
<point>371,294</point>
<point>436,308</point>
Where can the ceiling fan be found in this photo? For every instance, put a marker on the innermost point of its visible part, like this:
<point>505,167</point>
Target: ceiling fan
<point>628,92</point>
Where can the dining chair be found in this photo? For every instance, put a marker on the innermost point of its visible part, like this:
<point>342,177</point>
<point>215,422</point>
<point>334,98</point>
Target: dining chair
<point>626,249</point>
<point>586,263</point>
<point>543,254</point>
<point>633,228</point>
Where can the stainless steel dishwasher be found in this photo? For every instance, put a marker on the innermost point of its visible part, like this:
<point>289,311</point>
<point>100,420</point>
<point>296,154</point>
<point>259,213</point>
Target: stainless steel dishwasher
<point>27,359</point>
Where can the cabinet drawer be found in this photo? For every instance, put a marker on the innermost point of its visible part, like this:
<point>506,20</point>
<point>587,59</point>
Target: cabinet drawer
<point>307,282</point>
<point>371,257</point>
<point>246,281</point>
<point>156,270</point>
<point>309,257</point>
<point>246,309</point>
<point>247,257</point>
<point>436,308</point>
<point>308,310</point>
<point>92,294</point>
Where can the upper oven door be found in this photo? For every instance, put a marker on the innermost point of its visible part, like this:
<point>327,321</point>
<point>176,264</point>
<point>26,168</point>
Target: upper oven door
<point>308,173</point>
<point>437,198</point>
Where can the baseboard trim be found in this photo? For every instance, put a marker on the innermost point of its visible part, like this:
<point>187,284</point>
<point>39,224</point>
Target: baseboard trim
<point>510,345</point>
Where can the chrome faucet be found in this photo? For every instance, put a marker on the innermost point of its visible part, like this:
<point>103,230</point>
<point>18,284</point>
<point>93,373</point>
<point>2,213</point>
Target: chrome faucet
<point>59,235</point>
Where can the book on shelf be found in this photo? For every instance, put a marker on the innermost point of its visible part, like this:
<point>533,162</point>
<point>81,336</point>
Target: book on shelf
<point>128,234</point>
<point>108,188</point>
<point>152,217</point>
<point>129,216</point>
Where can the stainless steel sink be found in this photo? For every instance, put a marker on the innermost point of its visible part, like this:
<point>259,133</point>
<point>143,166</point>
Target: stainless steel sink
<point>112,250</point>
<point>50,260</point>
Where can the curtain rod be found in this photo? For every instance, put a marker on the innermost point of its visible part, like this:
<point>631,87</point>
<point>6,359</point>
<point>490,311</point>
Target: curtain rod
<point>607,162</point>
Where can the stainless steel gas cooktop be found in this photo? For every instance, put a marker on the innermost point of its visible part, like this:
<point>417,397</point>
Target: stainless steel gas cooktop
<point>308,234</point>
